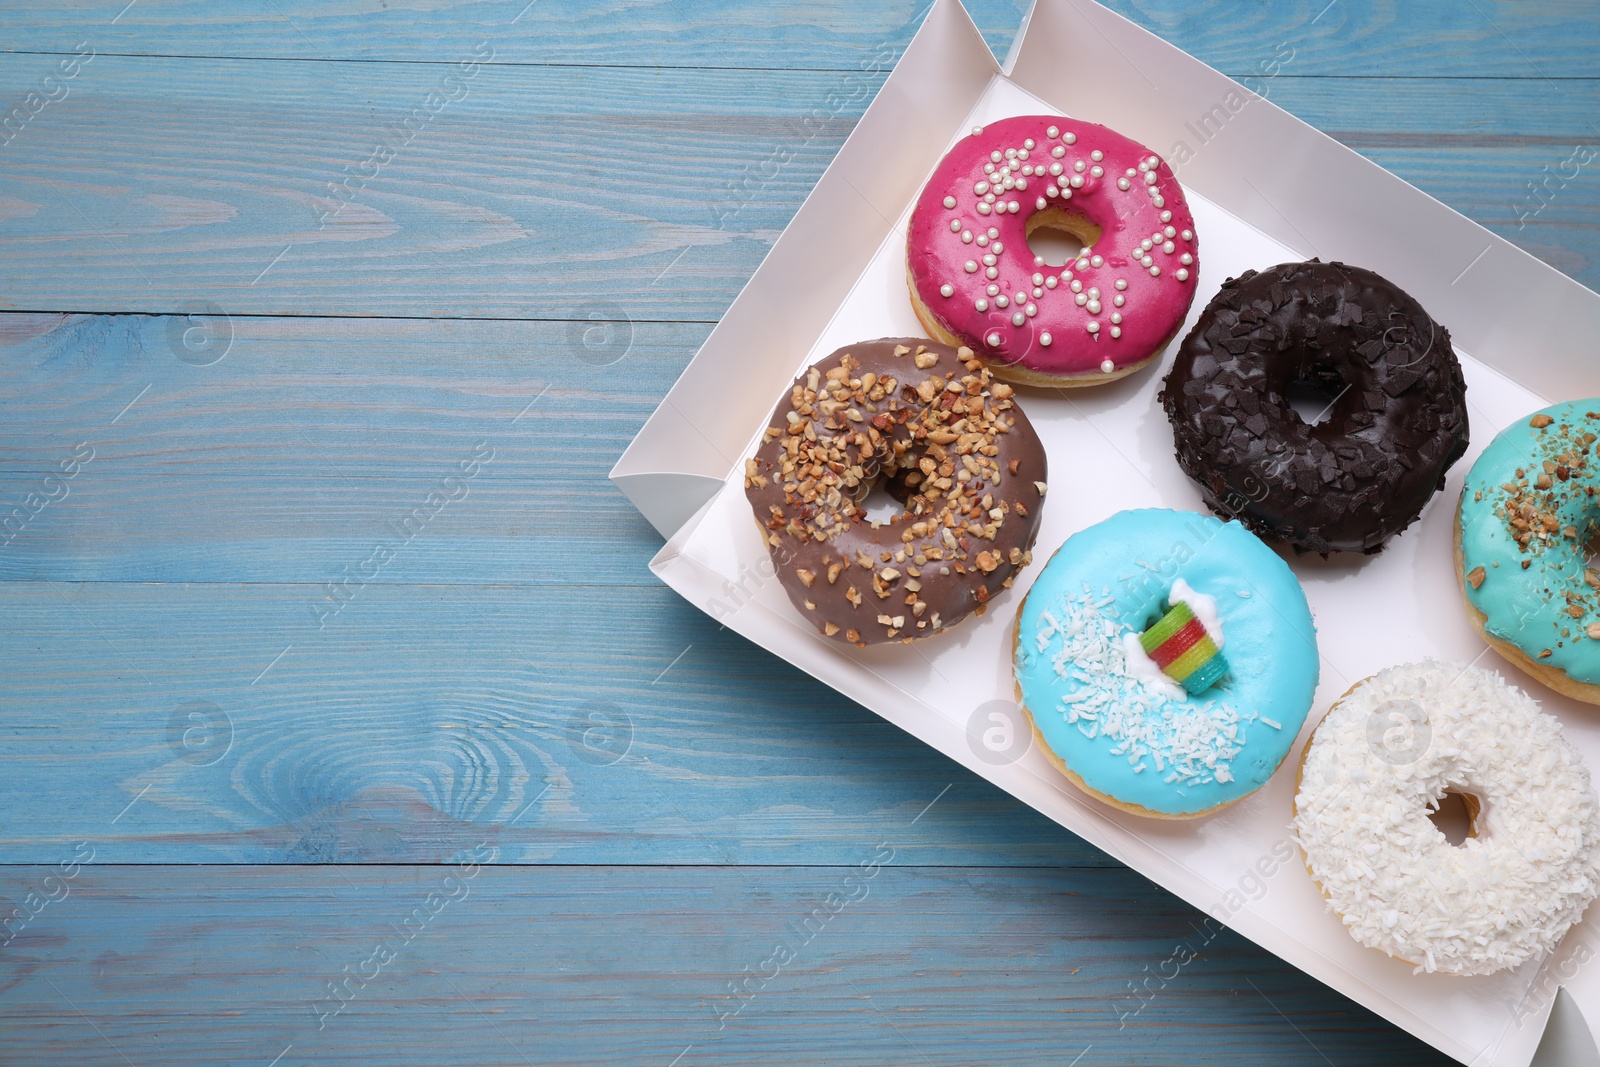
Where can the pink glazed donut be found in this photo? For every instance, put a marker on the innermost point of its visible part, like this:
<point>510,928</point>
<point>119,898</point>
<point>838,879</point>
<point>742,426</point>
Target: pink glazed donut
<point>975,281</point>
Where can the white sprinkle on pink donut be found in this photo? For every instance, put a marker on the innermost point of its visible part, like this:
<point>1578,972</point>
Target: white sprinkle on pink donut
<point>1089,173</point>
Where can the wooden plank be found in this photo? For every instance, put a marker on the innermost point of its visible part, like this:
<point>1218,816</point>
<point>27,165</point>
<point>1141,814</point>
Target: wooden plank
<point>1491,38</point>
<point>1508,157</point>
<point>654,33</point>
<point>287,449</point>
<point>565,724</point>
<point>501,965</point>
<point>521,200</point>
<point>1375,39</point>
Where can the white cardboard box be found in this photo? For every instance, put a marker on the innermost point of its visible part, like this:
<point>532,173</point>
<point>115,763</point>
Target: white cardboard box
<point>1265,188</point>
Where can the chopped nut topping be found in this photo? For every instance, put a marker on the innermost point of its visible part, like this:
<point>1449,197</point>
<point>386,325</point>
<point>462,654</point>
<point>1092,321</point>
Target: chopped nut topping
<point>933,438</point>
<point>1477,576</point>
<point>1539,422</point>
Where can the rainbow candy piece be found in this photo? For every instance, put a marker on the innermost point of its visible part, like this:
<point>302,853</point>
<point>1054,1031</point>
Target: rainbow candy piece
<point>1179,645</point>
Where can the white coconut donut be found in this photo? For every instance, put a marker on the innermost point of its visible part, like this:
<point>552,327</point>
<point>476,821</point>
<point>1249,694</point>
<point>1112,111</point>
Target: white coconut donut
<point>1384,756</point>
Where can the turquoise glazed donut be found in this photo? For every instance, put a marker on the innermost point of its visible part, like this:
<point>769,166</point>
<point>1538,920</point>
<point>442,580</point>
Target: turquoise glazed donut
<point>1108,706</point>
<point>1529,513</point>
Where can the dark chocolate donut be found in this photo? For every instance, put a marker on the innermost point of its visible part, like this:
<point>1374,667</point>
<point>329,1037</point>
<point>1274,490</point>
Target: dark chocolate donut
<point>1397,415</point>
<point>947,439</point>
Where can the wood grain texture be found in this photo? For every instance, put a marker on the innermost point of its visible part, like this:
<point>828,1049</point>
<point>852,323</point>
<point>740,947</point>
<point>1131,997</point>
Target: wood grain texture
<point>565,724</point>
<point>301,444</point>
<point>546,190</point>
<point>198,965</point>
<point>1370,38</point>
<point>745,34</point>
<point>539,192</point>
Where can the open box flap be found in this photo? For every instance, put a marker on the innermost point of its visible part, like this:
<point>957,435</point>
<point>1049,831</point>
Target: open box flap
<point>1567,1041</point>
<point>683,453</point>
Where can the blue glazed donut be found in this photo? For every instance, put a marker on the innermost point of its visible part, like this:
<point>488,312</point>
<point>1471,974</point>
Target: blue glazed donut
<point>1524,529</point>
<point>1104,710</point>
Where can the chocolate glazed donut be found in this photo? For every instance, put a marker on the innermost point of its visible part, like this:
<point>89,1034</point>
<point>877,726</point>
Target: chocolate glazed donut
<point>946,439</point>
<point>1397,413</point>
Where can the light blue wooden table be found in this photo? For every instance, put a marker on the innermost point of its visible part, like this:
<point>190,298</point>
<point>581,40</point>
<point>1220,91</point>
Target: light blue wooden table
<point>340,720</point>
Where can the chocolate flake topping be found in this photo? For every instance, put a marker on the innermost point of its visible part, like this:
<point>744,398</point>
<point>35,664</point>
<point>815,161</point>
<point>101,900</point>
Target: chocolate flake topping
<point>1395,423</point>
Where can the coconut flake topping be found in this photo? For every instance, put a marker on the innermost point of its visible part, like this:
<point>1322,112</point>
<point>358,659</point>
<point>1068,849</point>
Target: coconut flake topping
<point>1384,755</point>
<point>1188,741</point>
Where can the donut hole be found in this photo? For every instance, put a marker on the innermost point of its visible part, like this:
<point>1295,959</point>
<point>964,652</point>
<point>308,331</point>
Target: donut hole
<point>1313,398</point>
<point>880,505</point>
<point>886,495</point>
<point>1059,237</point>
<point>1457,815</point>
